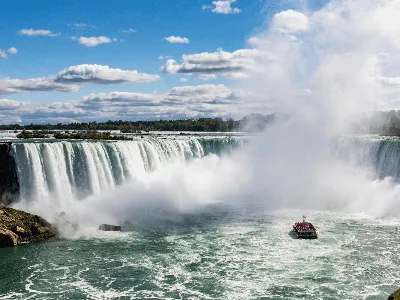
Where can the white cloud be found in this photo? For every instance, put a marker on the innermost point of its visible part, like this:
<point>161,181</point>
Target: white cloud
<point>162,57</point>
<point>205,77</point>
<point>93,41</point>
<point>130,30</point>
<point>183,79</point>
<point>100,74</point>
<point>9,85</point>
<point>290,21</point>
<point>12,50</point>
<point>70,79</point>
<point>230,64</point>
<point>37,32</point>
<point>177,40</point>
<point>181,102</point>
<point>223,7</point>
<point>82,26</point>
<point>4,53</point>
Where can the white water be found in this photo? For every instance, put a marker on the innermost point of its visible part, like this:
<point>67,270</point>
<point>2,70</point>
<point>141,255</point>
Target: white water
<point>74,170</point>
<point>54,175</point>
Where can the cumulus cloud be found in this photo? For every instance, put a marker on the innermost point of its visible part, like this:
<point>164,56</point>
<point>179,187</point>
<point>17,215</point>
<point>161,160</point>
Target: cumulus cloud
<point>177,40</point>
<point>37,32</point>
<point>222,7</point>
<point>12,50</point>
<point>183,80</point>
<point>93,41</point>
<point>3,54</point>
<point>70,79</point>
<point>230,64</point>
<point>290,21</point>
<point>100,74</point>
<point>12,111</point>
<point>180,102</point>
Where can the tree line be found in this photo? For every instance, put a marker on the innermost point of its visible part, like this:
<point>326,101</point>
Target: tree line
<point>250,123</point>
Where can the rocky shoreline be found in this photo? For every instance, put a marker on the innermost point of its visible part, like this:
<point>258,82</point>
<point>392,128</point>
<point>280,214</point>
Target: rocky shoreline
<point>19,227</point>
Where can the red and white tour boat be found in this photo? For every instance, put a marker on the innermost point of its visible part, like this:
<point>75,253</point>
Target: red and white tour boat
<point>305,230</point>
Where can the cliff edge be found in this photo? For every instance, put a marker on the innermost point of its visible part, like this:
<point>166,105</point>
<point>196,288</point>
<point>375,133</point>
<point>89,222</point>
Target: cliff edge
<point>9,185</point>
<point>19,227</point>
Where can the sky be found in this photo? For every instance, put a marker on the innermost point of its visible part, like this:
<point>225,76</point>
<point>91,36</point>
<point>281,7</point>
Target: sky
<point>68,61</point>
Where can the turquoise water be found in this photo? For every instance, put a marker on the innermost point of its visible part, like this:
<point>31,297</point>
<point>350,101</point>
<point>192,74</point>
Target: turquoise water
<point>213,256</point>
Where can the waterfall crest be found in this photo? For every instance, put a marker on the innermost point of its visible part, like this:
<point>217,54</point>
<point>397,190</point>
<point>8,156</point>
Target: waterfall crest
<point>77,169</point>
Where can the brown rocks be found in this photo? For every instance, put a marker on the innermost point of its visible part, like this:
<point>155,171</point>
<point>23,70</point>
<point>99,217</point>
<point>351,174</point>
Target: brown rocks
<point>8,238</point>
<point>18,227</point>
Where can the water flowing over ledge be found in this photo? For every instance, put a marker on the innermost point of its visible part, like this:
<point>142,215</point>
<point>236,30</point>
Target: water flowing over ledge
<point>66,170</point>
<point>77,169</point>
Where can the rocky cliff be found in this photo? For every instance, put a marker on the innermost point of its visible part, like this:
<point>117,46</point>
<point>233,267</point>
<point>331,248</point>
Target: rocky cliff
<point>18,227</point>
<point>9,185</point>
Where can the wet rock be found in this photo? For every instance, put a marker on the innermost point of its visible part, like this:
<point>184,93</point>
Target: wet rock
<point>19,227</point>
<point>106,227</point>
<point>9,185</point>
<point>8,238</point>
<point>19,231</point>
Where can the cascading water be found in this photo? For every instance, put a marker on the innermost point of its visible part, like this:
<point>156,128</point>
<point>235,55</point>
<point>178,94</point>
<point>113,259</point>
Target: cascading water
<point>61,171</point>
<point>381,154</point>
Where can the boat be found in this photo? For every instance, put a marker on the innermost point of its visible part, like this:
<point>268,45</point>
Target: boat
<point>304,230</point>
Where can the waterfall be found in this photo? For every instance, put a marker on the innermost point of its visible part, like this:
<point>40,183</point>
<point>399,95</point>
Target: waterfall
<point>381,154</point>
<point>65,170</point>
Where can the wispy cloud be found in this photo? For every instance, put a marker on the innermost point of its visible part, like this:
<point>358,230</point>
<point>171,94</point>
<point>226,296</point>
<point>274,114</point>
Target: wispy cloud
<point>177,40</point>
<point>205,77</point>
<point>82,26</point>
<point>130,30</point>
<point>222,7</point>
<point>11,51</point>
<point>37,32</point>
<point>162,57</point>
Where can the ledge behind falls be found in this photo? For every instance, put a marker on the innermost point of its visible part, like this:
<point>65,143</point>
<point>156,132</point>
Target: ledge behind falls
<point>9,185</point>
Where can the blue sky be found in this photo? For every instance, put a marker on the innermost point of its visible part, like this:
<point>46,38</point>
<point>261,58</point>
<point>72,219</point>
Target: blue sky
<point>50,36</point>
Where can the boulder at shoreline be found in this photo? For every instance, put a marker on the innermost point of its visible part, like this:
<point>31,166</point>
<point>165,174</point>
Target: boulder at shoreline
<point>19,227</point>
<point>107,227</point>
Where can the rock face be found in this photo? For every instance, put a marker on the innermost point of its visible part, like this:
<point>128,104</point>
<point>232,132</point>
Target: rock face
<point>106,227</point>
<point>9,185</point>
<point>18,227</point>
<point>395,295</point>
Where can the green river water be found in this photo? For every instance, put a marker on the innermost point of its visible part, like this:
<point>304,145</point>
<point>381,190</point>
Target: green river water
<point>225,256</point>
